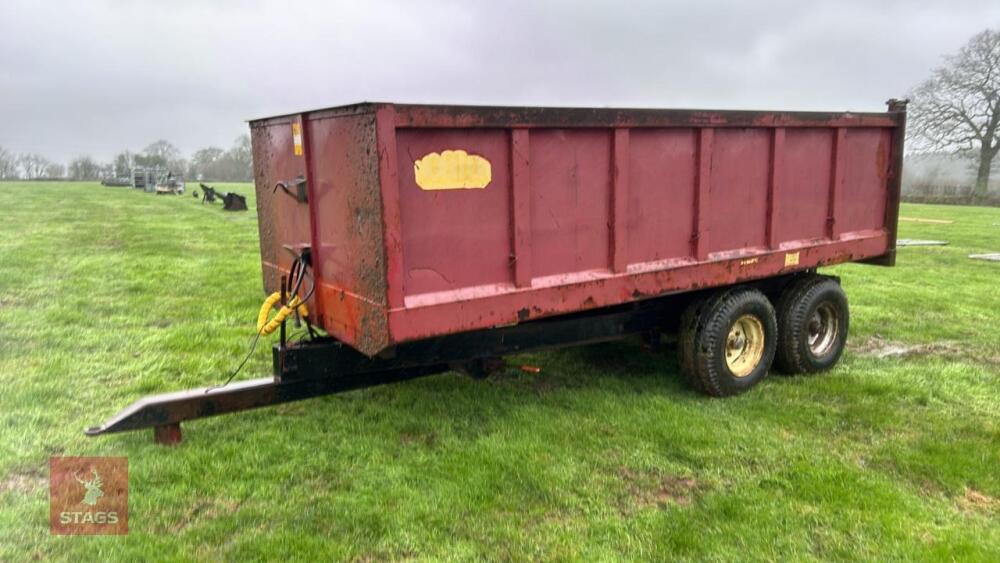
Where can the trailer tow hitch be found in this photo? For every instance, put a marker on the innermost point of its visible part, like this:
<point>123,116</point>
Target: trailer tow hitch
<point>165,412</point>
<point>323,366</point>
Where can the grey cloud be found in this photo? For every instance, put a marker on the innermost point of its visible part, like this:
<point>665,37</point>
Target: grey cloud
<point>97,77</point>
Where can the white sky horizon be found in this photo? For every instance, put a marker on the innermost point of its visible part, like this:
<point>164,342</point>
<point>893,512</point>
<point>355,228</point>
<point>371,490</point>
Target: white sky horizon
<point>103,76</point>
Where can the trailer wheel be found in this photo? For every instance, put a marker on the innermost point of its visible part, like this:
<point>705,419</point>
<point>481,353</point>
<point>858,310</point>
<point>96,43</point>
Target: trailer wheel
<point>685,343</point>
<point>727,342</point>
<point>813,319</point>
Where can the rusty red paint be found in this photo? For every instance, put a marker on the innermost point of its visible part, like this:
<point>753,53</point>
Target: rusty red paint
<point>282,220</point>
<point>775,179</point>
<point>579,292</point>
<point>836,182</point>
<point>894,180</point>
<point>312,195</point>
<point>521,206</point>
<point>168,434</point>
<point>485,116</point>
<point>806,168</point>
<point>619,200</point>
<point>443,232</point>
<point>388,187</point>
<point>662,173</point>
<point>585,208</point>
<point>702,200</point>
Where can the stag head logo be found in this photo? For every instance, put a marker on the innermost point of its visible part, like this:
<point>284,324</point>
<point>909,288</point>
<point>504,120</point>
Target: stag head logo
<point>93,487</point>
<point>101,508</point>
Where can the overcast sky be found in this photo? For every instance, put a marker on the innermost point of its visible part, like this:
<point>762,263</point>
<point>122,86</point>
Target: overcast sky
<point>98,76</point>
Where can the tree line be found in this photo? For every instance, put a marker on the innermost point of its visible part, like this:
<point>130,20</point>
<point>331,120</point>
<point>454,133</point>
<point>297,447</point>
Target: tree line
<point>210,163</point>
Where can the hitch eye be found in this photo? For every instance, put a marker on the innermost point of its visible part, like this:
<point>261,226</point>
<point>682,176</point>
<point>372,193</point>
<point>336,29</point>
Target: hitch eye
<point>297,189</point>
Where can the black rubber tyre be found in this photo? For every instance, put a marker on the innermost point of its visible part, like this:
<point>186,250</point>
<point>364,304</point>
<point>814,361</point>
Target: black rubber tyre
<point>813,319</point>
<point>727,342</point>
<point>685,343</point>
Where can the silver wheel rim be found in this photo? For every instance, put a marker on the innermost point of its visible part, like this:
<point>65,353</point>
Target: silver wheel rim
<point>823,328</point>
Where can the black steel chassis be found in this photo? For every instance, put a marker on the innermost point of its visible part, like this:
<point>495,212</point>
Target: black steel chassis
<point>306,369</point>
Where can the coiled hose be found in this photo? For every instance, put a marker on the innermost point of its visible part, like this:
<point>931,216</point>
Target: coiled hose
<point>264,327</point>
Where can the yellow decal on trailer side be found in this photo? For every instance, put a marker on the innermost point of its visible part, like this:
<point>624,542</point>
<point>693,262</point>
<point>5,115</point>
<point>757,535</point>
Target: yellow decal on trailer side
<point>791,259</point>
<point>452,170</point>
<point>297,138</point>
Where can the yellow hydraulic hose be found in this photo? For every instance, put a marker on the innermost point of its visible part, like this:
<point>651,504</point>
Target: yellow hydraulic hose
<point>263,326</point>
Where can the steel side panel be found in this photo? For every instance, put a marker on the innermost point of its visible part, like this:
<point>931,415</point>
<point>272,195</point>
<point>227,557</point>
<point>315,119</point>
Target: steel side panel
<point>738,190</point>
<point>582,209</point>
<point>570,182</point>
<point>349,258</point>
<point>461,237</point>
<point>342,221</point>
<point>861,204</point>
<point>897,109</point>
<point>486,116</point>
<point>662,173</point>
<point>806,174</point>
<point>280,219</point>
<point>388,188</point>
<point>506,307</point>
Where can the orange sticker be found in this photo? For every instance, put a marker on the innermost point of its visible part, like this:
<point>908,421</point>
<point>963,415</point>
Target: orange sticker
<point>297,138</point>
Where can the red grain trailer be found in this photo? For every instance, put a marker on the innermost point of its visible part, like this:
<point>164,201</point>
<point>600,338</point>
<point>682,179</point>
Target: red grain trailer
<point>424,238</point>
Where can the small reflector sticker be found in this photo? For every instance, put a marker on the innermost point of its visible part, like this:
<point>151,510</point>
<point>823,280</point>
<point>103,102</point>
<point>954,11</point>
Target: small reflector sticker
<point>452,170</point>
<point>791,259</point>
<point>297,138</point>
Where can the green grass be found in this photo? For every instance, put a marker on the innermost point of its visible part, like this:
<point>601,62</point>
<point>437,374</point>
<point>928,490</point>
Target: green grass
<point>108,294</point>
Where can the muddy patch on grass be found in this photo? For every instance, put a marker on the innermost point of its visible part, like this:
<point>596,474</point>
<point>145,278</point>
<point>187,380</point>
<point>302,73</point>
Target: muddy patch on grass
<point>883,348</point>
<point>880,347</point>
<point>975,502</point>
<point>426,439</point>
<point>12,301</point>
<point>646,490</point>
<point>24,482</point>
<point>208,510</point>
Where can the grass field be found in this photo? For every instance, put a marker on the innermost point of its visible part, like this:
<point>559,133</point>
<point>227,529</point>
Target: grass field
<point>108,294</point>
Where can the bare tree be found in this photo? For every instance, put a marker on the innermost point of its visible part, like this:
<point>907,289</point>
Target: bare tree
<point>84,168</point>
<point>233,165</point>
<point>32,165</point>
<point>55,171</point>
<point>162,149</point>
<point>162,153</point>
<point>105,170</point>
<point>240,158</point>
<point>123,164</point>
<point>205,163</point>
<point>958,108</point>
<point>8,165</point>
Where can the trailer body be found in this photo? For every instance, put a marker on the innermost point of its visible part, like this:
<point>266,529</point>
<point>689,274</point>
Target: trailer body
<point>443,238</point>
<point>423,221</point>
